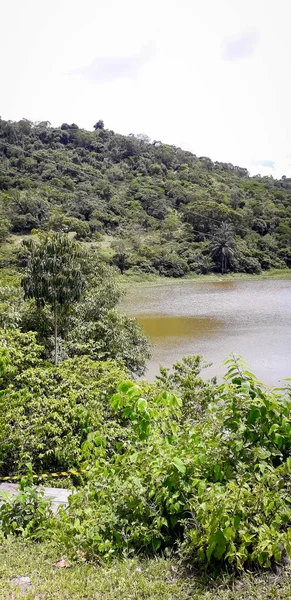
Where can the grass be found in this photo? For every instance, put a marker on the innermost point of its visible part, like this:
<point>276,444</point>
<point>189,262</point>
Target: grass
<point>128,579</point>
<point>141,279</point>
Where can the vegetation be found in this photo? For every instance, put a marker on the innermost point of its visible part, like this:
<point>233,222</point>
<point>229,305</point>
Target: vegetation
<point>54,275</point>
<point>203,475</point>
<point>92,327</point>
<point>27,513</point>
<point>148,207</point>
<point>190,476</point>
<point>222,245</point>
<point>137,579</point>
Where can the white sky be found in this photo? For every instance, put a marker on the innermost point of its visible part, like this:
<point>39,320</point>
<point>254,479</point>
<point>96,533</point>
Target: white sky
<point>211,76</point>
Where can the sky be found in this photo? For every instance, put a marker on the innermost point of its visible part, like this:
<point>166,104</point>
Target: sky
<point>209,76</point>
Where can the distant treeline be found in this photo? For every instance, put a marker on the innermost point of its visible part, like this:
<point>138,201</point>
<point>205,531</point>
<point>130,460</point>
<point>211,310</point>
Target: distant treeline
<point>154,207</point>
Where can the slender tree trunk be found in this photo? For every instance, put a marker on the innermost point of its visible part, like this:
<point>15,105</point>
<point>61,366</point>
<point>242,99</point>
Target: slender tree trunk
<point>56,333</point>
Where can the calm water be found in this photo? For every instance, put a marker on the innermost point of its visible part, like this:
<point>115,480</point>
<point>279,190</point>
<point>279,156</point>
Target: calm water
<point>251,318</point>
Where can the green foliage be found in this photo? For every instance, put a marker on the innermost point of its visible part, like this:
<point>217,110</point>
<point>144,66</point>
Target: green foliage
<point>222,245</point>
<point>5,226</point>
<point>11,298</point>
<point>184,378</point>
<point>54,274</point>
<point>54,270</point>
<point>91,327</point>
<point>23,352</point>
<point>54,416</point>
<point>26,514</point>
<point>113,336</point>
<point>162,205</point>
<point>205,475</point>
<point>218,490</point>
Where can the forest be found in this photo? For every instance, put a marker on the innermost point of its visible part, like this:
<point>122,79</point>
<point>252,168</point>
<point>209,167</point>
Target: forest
<point>180,486</point>
<point>148,206</point>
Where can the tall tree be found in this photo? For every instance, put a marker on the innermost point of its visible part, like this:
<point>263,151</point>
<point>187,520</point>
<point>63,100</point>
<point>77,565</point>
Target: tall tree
<point>222,245</point>
<point>54,274</point>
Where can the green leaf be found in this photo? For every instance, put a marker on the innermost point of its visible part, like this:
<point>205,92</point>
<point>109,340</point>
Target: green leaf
<point>253,415</point>
<point>156,544</point>
<point>179,465</point>
<point>142,405</point>
<point>217,472</point>
<point>279,440</point>
<point>273,428</point>
<point>124,386</point>
<point>236,521</point>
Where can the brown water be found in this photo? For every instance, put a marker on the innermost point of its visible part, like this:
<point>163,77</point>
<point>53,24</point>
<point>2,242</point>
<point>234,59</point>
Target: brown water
<point>251,318</point>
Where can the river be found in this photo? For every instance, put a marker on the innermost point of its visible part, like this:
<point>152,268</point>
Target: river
<point>251,318</point>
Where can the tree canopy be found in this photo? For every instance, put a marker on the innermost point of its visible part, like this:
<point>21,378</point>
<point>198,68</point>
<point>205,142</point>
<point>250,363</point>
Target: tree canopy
<point>153,207</point>
<point>54,274</point>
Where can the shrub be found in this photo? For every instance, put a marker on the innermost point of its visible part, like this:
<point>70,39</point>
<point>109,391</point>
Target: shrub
<point>218,491</point>
<point>26,514</point>
<point>55,416</point>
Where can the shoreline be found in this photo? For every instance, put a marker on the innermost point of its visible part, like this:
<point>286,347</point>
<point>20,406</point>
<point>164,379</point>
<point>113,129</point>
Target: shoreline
<point>157,280</point>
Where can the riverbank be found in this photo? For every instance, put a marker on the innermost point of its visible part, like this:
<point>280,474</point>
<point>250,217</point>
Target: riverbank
<point>127,579</point>
<point>148,279</point>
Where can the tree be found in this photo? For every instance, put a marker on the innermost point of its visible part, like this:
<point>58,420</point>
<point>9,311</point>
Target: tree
<point>54,275</point>
<point>5,227</point>
<point>99,124</point>
<point>222,245</point>
<point>122,252</point>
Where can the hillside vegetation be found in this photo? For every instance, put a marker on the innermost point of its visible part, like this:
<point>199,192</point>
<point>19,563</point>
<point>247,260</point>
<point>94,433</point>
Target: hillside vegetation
<point>151,207</point>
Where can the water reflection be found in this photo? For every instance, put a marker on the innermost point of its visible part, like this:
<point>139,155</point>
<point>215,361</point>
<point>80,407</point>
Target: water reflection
<point>162,326</point>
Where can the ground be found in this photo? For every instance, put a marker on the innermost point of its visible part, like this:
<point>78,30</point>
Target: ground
<point>127,579</point>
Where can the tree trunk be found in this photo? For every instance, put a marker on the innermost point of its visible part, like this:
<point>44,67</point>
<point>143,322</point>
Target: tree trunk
<point>56,333</point>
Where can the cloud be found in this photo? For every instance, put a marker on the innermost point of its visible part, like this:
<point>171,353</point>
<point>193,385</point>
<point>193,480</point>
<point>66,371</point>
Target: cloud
<point>277,167</point>
<point>109,68</point>
<point>240,47</point>
<point>270,164</point>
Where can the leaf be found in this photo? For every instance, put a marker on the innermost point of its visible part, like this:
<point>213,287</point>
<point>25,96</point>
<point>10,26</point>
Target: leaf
<point>253,415</point>
<point>228,533</point>
<point>179,465</point>
<point>217,472</point>
<point>124,386</point>
<point>236,521</point>
<point>279,440</point>
<point>116,401</point>
<point>273,428</point>
<point>156,543</point>
<point>245,386</point>
<point>142,405</point>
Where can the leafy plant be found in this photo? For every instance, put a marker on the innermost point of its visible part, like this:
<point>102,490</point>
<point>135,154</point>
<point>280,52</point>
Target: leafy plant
<point>51,413</point>
<point>216,490</point>
<point>28,513</point>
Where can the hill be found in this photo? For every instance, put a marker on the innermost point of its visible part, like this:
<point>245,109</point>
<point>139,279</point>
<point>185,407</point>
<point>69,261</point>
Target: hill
<point>154,208</point>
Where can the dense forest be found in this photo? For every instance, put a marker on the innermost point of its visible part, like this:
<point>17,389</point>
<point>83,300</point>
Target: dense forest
<point>148,206</point>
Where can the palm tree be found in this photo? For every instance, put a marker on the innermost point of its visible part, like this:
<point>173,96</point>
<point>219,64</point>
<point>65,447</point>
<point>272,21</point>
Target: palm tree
<point>222,244</point>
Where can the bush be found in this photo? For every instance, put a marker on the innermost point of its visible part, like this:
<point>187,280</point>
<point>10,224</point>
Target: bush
<point>55,416</point>
<point>218,491</point>
<point>26,514</point>
<point>114,336</point>
<point>172,265</point>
